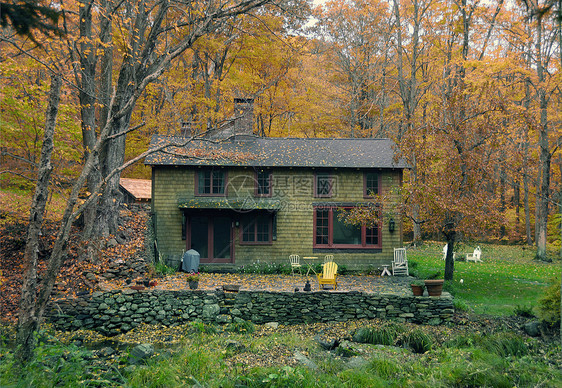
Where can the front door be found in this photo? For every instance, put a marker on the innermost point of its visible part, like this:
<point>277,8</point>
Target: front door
<point>211,236</point>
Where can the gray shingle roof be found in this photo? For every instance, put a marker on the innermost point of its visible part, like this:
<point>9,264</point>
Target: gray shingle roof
<point>277,152</point>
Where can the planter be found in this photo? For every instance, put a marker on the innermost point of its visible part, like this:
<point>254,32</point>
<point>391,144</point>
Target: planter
<point>417,290</point>
<point>193,285</point>
<point>434,287</point>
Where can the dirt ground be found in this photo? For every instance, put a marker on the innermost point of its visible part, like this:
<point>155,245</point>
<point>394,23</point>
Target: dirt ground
<point>275,283</point>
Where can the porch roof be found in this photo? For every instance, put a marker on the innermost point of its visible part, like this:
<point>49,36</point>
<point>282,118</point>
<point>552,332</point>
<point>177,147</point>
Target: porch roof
<point>230,203</point>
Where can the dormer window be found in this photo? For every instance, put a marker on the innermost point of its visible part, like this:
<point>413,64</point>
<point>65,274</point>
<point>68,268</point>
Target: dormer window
<point>210,182</point>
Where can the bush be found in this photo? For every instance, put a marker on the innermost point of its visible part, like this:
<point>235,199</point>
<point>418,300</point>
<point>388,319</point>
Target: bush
<point>200,327</point>
<point>460,305</point>
<point>265,268</point>
<point>383,335</point>
<point>500,344</point>
<point>523,311</point>
<point>549,304</point>
<point>504,344</point>
<point>418,340</point>
<point>162,269</point>
<point>241,327</point>
<point>384,368</point>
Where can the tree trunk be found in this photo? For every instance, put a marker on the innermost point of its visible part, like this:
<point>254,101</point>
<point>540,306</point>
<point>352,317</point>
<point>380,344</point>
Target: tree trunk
<point>28,323</point>
<point>449,259</point>
<point>544,152</point>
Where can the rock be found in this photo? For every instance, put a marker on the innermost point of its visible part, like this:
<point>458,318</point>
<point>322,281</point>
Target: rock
<point>303,360</point>
<point>345,349</point>
<point>272,325</point>
<point>112,243</point>
<point>234,345</point>
<point>210,311</point>
<point>224,318</point>
<point>106,352</point>
<point>141,352</point>
<point>328,345</point>
<point>357,362</point>
<point>532,328</point>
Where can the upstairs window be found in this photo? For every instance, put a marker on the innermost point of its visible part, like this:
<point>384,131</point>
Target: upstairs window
<point>210,182</point>
<point>371,184</point>
<point>263,183</point>
<point>323,185</point>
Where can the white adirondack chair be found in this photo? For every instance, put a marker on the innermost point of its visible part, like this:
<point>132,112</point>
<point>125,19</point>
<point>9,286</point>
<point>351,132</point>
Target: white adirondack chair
<point>400,262</point>
<point>475,256</point>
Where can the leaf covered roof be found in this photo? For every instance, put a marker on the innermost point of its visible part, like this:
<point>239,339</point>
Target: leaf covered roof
<point>252,151</point>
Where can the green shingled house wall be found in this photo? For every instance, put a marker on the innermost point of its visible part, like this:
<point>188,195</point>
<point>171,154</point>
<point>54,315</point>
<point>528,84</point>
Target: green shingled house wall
<point>293,190</point>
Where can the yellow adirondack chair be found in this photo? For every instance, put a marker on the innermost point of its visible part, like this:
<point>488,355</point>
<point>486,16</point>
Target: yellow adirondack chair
<point>328,275</point>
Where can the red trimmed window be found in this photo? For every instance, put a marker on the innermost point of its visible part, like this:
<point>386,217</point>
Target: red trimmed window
<point>256,230</point>
<point>323,185</point>
<point>263,183</point>
<point>210,182</point>
<point>331,232</point>
<point>371,184</point>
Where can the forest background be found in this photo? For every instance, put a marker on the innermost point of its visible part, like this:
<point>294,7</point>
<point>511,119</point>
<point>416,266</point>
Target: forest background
<point>469,90</point>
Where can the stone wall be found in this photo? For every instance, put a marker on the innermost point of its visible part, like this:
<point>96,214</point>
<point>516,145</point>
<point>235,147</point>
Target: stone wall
<point>115,312</point>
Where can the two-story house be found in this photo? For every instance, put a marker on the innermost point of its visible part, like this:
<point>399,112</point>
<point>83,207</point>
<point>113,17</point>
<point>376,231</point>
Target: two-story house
<point>245,198</point>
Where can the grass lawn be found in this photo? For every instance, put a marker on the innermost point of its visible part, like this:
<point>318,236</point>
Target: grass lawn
<point>507,278</point>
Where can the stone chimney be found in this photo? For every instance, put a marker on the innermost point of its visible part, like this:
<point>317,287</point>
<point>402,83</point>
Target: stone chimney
<point>187,129</point>
<point>244,113</point>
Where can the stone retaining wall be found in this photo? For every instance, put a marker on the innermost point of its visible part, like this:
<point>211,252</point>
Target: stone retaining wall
<point>115,312</point>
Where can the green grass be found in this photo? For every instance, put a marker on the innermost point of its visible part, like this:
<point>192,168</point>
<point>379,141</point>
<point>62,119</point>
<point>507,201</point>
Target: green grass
<point>204,359</point>
<point>507,278</point>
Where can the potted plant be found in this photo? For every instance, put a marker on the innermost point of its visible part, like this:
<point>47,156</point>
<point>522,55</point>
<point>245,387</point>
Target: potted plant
<point>417,287</point>
<point>434,286</point>
<point>193,280</point>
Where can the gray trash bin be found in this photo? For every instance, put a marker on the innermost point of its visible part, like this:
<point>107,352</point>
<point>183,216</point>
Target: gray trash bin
<point>190,262</point>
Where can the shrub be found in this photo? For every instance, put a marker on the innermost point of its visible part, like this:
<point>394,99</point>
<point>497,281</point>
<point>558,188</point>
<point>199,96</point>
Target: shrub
<point>384,368</point>
<point>418,340</point>
<point>504,344</point>
<point>265,268</point>
<point>162,269</point>
<point>383,335</point>
<point>200,327</point>
<point>549,304</point>
<point>460,305</point>
<point>435,275</point>
<point>241,327</point>
<point>523,311</point>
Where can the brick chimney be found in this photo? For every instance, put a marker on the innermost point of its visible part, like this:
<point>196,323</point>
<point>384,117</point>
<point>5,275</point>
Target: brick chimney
<point>244,113</point>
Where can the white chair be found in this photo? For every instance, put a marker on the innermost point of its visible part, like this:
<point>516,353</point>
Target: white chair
<point>475,256</point>
<point>295,263</point>
<point>400,262</point>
